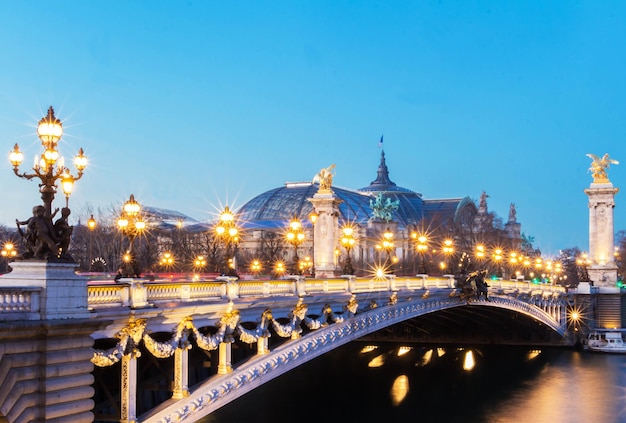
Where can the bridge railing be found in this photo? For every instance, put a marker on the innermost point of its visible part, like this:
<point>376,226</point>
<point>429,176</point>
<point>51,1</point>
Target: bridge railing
<point>23,303</point>
<point>20,303</point>
<point>137,293</point>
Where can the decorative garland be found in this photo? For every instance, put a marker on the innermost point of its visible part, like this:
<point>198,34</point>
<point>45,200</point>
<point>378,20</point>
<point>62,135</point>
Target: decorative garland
<point>228,326</point>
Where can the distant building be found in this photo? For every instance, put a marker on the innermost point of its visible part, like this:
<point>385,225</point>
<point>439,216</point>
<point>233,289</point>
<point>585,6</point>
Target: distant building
<point>271,211</point>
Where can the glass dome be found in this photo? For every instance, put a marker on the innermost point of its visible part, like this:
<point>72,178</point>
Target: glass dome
<point>273,208</point>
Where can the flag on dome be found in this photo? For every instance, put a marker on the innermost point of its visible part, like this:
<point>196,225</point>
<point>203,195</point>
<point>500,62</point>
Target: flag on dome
<point>380,143</point>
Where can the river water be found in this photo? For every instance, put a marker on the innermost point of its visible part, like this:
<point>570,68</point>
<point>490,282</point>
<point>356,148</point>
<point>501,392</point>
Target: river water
<point>505,384</point>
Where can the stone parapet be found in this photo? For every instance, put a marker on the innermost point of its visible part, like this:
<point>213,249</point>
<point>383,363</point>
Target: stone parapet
<point>63,293</point>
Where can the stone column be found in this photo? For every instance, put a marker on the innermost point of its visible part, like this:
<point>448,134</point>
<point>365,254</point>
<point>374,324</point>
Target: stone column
<point>129,389</point>
<point>224,366</point>
<point>326,204</point>
<point>602,270</point>
<point>181,373</point>
<point>262,345</point>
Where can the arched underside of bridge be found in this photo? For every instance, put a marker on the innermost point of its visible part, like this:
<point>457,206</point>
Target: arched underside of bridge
<point>470,325</point>
<point>502,321</point>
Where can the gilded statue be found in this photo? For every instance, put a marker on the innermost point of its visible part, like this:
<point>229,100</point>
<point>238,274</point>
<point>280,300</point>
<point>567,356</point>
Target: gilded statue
<point>600,166</point>
<point>325,178</point>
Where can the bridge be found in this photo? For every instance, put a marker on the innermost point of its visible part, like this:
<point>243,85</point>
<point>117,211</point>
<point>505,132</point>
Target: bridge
<point>162,351</point>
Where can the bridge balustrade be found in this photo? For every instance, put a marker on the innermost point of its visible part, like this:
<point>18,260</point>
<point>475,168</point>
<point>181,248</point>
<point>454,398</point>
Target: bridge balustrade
<point>19,303</point>
<point>22,303</point>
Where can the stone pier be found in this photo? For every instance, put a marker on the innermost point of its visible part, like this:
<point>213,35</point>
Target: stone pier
<point>45,344</point>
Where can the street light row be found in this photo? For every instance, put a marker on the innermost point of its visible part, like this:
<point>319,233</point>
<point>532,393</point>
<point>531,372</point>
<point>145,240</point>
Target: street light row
<point>50,169</point>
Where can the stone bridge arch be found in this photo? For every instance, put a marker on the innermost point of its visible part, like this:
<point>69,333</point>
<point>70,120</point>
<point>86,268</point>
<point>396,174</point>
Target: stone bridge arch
<point>222,389</point>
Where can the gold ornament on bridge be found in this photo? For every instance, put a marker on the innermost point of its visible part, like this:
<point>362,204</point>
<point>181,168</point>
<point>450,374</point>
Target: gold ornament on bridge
<point>600,166</point>
<point>325,179</point>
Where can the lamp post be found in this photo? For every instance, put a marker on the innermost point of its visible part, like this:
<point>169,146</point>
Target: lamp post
<point>199,263</point>
<point>8,253</point>
<point>228,233</point>
<point>313,219</point>
<point>295,236</point>
<point>256,267</point>
<point>583,261</point>
<point>91,225</point>
<point>167,261</point>
<point>279,269</point>
<point>497,257</point>
<point>388,245</point>
<point>51,167</point>
<point>448,249</point>
<point>131,224</point>
<point>526,264</point>
<point>514,260</point>
<point>422,247</point>
<point>480,255</point>
<point>307,265</point>
<point>347,240</point>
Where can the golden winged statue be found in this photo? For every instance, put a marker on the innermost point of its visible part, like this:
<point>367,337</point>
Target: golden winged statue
<point>600,166</point>
<point>325,178</point>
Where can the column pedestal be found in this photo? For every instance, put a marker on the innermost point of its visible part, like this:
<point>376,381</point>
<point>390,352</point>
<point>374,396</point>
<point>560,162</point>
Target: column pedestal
<point>326,233</point>
<point>63,292</point>
<point>224,367</point>
<point>46,356</point>
<point>129,389</point>
<point>181,373</point>
<point>603,270</point>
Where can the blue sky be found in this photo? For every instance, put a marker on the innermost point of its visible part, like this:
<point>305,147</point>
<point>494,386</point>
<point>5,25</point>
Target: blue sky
<point>193,105</point>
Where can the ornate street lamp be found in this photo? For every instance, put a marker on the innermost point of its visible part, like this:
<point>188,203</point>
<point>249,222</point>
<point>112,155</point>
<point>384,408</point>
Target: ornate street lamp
<point>91,225</point>
<point>227,232</point>
<point>279,269</point>
<point>306,265</point>
<point>513,263</point>
<point>447,247</point>
<point>131,224</point>
<point>388,245</point>
<point>8,253</point>
<point>583,262</point>
<point>255,267</point>
<point>51,167</point>
<point>167,260</point>
<point>497,257</point>
<point>526,264</point>
<point>480,252</point>
<point>199,263</point>
<point>347,240</point>
<point>422,247</point>
<point>295,236</point>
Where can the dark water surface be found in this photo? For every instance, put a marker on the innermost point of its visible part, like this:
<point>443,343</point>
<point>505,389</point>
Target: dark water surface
<point>507,384</point>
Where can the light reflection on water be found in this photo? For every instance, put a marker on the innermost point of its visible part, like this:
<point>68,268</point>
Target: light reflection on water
<point>574,387</point>
<point>505,385</point>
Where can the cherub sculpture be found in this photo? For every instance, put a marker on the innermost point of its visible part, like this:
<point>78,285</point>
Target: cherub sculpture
<point>325,178</point>
<point>600,166</point>
<point>40,237</point>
